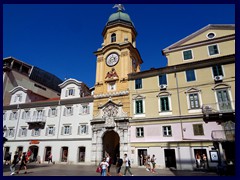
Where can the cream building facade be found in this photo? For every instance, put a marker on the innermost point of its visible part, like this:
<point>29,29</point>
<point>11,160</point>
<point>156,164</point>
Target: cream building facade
<point>169,104</point>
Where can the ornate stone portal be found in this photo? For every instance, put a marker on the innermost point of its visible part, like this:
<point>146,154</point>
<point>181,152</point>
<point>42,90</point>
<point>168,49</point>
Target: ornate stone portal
<point>110,123</point>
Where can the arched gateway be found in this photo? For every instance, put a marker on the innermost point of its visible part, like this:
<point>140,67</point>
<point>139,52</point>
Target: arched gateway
<point>110,132</point>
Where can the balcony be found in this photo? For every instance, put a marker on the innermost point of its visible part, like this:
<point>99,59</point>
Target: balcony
<point>219,112</point>
<point>36,122</point>
<point>223,135</point>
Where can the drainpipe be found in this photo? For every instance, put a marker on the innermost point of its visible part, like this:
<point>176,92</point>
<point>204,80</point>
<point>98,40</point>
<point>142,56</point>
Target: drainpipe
<point>59,103</point>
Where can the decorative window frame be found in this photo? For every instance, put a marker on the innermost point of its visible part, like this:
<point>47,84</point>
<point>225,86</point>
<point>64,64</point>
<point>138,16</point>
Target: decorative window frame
<point>63,130</point>
<point>49,130</point>
<point>168,135</point>
<point>192,91</point>
<point>195,74</point>
<point>184,60</point>
<point>164,94</point>
<point>203,134</point>
<point>80,129</point>
<point>136,98</point>
<point>222,71</point>
<point>217,48</point>
<point>23,131</point>
<point>159,80</point>
<point>67,112</point>
<point>141,133</point>
<point>51,110</point>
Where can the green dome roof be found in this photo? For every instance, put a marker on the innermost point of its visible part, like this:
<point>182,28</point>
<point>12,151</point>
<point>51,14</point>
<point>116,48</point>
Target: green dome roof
<point>119,16</point>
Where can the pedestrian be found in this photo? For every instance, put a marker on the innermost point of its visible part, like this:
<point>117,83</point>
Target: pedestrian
<point>23,163</point>
<point>153,161</point>
<point>49,157</point>
<point>148,164</point>
<point>141,159</point>
<point>104,166</point>
<point>119,165</point>
<point>127,165</point>
<point>14,163</point>
<point>204,161</point>
<point>198,160</point>
<point>8,158</point>
<point>109,161</point>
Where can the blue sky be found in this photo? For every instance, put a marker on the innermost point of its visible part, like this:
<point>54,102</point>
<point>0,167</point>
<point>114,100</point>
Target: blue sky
<point>61,39</point>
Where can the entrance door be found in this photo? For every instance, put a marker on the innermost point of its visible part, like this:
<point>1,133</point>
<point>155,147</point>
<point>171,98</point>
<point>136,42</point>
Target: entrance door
<point>47,152</point>
<point>142,154</point>
<point>170,158</point>
<point>111,145</point>
<point>32,153</point>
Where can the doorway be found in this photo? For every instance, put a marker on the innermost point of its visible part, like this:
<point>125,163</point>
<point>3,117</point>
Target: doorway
<point>142,156</point>
<point>170,158</point>
<point>48,150</point>
<point>32,153</point>
<point>111,145</point>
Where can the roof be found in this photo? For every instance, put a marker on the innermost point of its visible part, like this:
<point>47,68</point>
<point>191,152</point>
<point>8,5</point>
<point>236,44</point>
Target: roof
<point>191,36</point>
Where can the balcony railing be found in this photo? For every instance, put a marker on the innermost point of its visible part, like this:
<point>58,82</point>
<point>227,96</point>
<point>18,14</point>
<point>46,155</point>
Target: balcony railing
<point>223,135</point>
<point>221,107</point>
<point>37,119</point>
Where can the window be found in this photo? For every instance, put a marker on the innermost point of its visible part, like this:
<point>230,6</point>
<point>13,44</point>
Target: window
<point>18,98</point>
<point>52,112</point>
<point>190,75</point>
<point>23,132</point>
<point>4,116</point>
<point>26,115</point>
<point>36,132</point>
<point>50,131</point>
<point>187,54</point>
<point>66,130</point>
<point>10,132</point>
<point>113,37</point>
<point>162,79</point>
<point>217,70</point>
<point>85,109</point>
<point>139,106</point>
<point>167,131</point>
<point>70,92</point>
<point>13,116</point>
<point>213,49</point>
<point>164,103</point>
<point>111,86</point>
<point>211,35</point>
<point>194,101</point>
<point>139,132</point>
<point>68,111</point>
<point>138,84</point>
<point>83,129</point>
<point>198,129</point>
<point>224,102</point>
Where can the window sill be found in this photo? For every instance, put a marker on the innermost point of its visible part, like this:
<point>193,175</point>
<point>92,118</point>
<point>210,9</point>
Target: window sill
<point>165,113</point>
<point>139,115</point>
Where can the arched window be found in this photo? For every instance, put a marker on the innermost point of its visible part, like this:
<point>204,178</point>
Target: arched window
<point>113,37</point>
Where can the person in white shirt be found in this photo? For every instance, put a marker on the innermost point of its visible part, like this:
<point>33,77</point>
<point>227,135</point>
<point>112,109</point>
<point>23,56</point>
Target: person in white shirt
<point>104,166</point>
<point>127,165</point>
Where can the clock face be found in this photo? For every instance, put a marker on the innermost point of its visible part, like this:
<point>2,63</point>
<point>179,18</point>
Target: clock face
<point>112,59</point>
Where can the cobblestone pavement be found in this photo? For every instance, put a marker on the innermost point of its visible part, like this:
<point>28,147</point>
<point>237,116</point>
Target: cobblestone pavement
<point>90,170</point>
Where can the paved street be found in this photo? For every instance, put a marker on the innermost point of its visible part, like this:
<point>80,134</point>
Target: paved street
<point>81,170</point>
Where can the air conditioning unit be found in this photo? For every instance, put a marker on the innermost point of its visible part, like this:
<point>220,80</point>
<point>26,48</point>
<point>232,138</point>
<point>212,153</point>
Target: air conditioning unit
<point>163,86</point>
<point>218,78</point>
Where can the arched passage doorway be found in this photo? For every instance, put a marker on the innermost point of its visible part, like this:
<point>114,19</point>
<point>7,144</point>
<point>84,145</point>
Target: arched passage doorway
<point>111,144</point>
<point>32,153</point>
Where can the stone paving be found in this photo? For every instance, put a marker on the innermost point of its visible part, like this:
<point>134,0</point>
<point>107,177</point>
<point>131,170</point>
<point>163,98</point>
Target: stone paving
<point>90,170</point>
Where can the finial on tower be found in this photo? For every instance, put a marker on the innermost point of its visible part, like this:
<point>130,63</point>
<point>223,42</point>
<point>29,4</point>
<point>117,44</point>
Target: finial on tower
<point>119,6</point>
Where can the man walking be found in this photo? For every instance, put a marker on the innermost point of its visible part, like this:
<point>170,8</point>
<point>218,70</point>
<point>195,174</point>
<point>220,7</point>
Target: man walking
<point>127,165</point>
<point>14,163</point>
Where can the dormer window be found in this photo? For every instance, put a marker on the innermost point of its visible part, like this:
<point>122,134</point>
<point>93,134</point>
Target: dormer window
<point>70,92</point>
<point>18,98</point>
<point>113,37</point>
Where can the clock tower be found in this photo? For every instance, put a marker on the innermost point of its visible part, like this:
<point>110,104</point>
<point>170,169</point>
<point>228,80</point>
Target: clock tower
<point>117,57</point>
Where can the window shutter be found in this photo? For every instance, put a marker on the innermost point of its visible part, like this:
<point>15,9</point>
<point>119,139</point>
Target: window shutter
<point>70,130</point>
<point>25,132</point>
<point>10,117</point>
<point>78,130</point>
<point>64,111</point>
<point>73,92</point>
<point>20,98</point>
<point>15,98</point>
<point>86,129</point>
<point>23,114</point>
<point>13,132</point>
<point>34,114</point>
<point>56,112</point>
<point>7,133</point>
<point>39,132</point>
<point>43,113</point>
<point>81,110</point>
<point>46,131</point>
<point>88,109</point>
<point>53,131</point>
<point>33,132</point>
<point>66,93</point>
<point>19,133</point>
<point>49,111</point>
<point>71,110</point>
<point>62,130</point>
